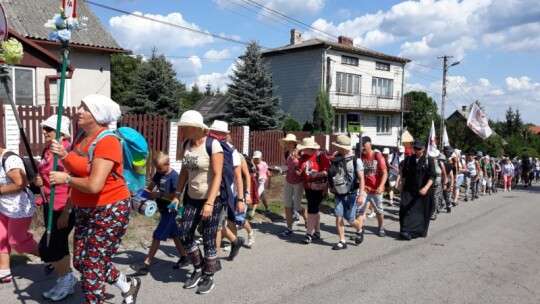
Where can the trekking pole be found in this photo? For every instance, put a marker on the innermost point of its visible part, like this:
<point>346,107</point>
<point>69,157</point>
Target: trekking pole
<point>4,78</point>
<point>64,54</point>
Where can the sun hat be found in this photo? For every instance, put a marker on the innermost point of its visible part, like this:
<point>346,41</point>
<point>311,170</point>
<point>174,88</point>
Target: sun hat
<point>385,151</point>
<point>401,149</point>
<point>257,154</point>
<point>104,109</point>
<point>64,124</point>
<point>288,138</point>
<point>479,154</point>
<point>343,141</point>
<point>220,126</point>
<point>308,143</point>
<point>192,118</point>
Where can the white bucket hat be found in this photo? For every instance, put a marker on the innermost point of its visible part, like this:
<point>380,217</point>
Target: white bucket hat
<point>104,109</point>
<point>308,143</point>
<point>192,118</point>
<point>220,126</point>
<point>257,154</point>
<point>343,141</point>
<point>64,124</point>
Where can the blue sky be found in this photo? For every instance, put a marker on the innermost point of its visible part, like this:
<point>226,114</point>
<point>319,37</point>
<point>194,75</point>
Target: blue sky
<point>497,42</point>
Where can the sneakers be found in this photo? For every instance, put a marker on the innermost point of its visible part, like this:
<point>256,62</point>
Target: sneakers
<point>183,261</point>
<point>6,278</point>
<point>236,247</point>
<point>63,288</point>
<point>206,284</point>
<point>448,210</point>
<point>131,294</point>
<point>141,268</point>
<point>339,246</point>
<point>296,216</point>
<point>433,216</point>
<point>359,238</point>
<point>371,215</point>
<point>194,279</point>
<point>382,232</point>
<point>267,213</point>
<point>307,239</point>
<point>251,239</point>
<point>252,214</point>
<point>286,233</point>
<point>316,235</point>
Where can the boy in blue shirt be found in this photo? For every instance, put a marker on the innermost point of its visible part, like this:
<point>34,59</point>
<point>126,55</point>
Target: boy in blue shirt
<point>165,179</point>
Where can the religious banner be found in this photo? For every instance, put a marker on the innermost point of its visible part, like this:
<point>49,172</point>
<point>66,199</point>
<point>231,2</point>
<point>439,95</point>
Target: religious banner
<point>432,142</point>
<point>445,140</point>
<point>478,122</point>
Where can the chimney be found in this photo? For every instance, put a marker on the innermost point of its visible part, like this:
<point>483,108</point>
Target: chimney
<point>296,36</point>
<point>345,40</point>
<point>464,108</point>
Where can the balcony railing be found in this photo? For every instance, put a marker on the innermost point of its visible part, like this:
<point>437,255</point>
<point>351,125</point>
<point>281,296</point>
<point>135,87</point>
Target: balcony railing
<point>368,102</point>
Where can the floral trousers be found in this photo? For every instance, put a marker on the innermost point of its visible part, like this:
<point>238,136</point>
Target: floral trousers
<point>97,237</point>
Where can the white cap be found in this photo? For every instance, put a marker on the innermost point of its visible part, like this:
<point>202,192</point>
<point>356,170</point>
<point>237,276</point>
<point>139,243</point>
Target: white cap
<point>257,154</point>
<point>385,151</point>
<point>64,124</point>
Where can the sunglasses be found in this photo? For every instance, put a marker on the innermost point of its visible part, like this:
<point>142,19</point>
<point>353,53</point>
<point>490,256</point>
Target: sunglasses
<point>48,129</point>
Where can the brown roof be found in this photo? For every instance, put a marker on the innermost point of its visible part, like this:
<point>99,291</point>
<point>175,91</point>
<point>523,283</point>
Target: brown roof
<point>318,43</point>
<point>213,107</point>
<point>534,129</point>
<point>28,17</point>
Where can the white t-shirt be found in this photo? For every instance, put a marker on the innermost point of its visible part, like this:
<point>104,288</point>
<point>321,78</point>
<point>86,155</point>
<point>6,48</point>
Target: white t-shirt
<point>15,205</point>
<point>236,162</point>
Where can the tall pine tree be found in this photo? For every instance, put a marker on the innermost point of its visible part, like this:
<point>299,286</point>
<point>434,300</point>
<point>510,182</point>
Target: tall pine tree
<point>252,103</point>
<point>157,89</point>
<point>323,114</point>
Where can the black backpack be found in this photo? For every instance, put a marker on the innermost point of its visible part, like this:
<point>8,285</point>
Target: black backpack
<point>28,168</point>
<point>339,180</point>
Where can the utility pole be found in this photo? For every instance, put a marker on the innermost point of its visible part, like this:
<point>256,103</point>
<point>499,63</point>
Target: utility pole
<point>445,68</point>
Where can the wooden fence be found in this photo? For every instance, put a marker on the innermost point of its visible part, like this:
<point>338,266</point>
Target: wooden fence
<point>2,124</point>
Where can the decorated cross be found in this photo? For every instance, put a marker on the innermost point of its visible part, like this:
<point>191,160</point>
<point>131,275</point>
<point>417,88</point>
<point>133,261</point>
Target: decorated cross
<point>70,8</point>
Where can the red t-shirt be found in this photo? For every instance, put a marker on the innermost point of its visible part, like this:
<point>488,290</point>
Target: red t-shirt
<point>114,189</point>
<point>309,164</point>
<point>374,165</point>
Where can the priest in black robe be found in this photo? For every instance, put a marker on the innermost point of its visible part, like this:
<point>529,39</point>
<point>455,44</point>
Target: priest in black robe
<point>418,175</point>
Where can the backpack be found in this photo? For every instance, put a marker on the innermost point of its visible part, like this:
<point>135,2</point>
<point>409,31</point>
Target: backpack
<point>251,166</point>
<point>227,180</point>
<point>339,178</point>
<point>134,155</point>
<point>28,169</point>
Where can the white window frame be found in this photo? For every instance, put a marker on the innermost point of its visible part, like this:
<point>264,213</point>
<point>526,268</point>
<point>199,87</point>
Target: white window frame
<point>351,85</point>
<point>383,66</point>
<point>340,123</point>
<point>14,84</point>
<point>382,86</point>
<point>384,124</point>
<point>349,60</point>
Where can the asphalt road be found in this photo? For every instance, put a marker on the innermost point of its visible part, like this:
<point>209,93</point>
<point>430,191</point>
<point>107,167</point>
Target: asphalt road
<point>486,251</point>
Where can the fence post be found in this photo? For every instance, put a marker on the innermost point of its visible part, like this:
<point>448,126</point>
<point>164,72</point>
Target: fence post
<point>173,144</point>
<point>13,137</point>
<point>327,142</point>
<point>245,148</point>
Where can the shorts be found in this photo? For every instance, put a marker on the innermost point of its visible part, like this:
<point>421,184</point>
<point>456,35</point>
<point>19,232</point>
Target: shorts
<point>459,181</point>
<point>346,206</point>
<point>167,227</point>
<point>292,195</point>
<point>226,214</point>
<point>376,202</point>
<point>391,181</point>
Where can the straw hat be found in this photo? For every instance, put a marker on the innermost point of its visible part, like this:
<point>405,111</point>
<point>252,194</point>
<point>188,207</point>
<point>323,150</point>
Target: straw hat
<point>308,143</point>
<point>192,118</point>
<point>64,124</point>
<point>220,126</point>
<point>343,141</point>
<point>288,138</point>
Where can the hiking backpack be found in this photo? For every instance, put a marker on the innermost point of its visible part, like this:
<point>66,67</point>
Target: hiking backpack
<point>225,188</point>
<point>340,179</point>
<point>134,155</point>
<point>28,169</point>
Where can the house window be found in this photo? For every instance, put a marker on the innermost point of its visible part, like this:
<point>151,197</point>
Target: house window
<point>22,85</point>
<point>382,86</point>
<point>382,66</point>
<point>349,60</point>
<point>383,124</point>
<point>340,123</point>
<point>348,83</point>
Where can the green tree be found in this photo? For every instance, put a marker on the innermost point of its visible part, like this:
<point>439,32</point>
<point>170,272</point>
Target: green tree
<point>323,114</point>
<point>189,99</point>
<point>291,125</point>
<point>208,90</point>
<point>251,89</point>
<point>422,112</point>
<point>157,89</point>
<point>124,69</point>
<point>308,126</point>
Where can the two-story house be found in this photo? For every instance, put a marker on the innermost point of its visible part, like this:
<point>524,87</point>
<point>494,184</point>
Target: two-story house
<point>357,80</point>
<point>35,81</point>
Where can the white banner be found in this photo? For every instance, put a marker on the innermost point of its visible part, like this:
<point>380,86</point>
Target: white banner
<point>478,122</point>
<point>432,142</point>
<point>445,140</point>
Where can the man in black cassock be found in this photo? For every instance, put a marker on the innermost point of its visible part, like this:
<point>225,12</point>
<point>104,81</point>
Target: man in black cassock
<point>416,205</point>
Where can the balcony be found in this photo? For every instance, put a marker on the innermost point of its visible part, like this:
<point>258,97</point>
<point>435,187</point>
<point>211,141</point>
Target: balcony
<point>369,102</point>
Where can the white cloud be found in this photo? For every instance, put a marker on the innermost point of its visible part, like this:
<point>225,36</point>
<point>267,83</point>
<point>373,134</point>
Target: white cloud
<point>187,68</point>
<point>522,83</point>
<point>521,38</point>
<point>215,55</point>
<point>217,80</point>
<point>484,82</point>
<point>295,7</point>
<point>140,35</point>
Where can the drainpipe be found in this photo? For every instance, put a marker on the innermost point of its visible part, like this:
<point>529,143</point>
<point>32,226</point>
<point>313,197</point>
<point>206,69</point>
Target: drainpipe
<point>326,72</point>
<point>402,102</point>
